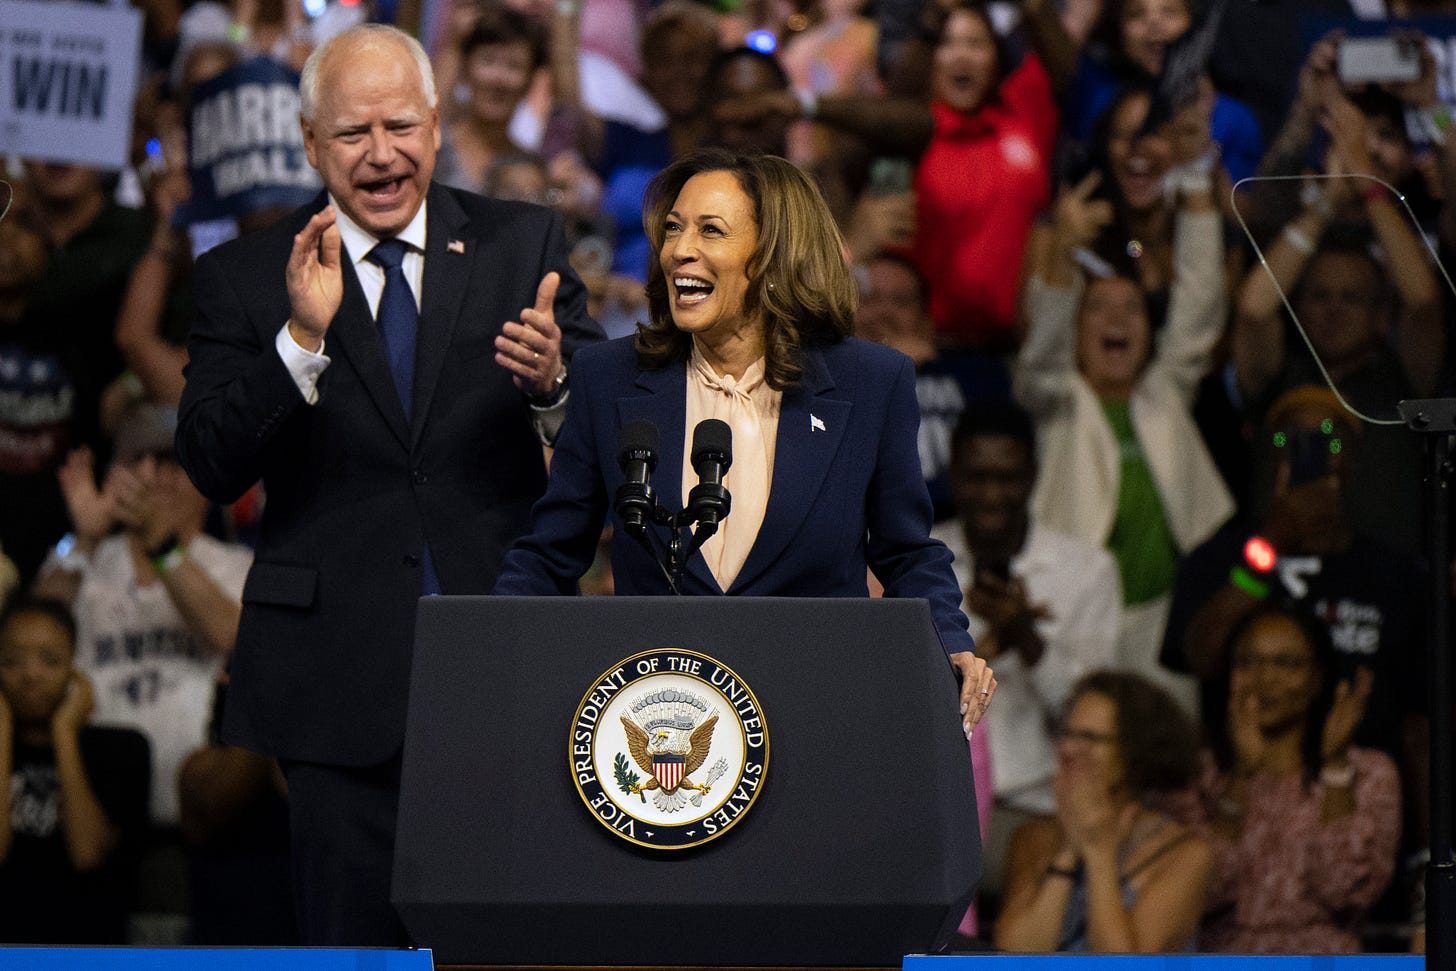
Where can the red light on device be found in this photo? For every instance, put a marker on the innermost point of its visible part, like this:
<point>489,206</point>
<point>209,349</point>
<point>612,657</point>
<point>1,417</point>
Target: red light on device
<point>1259,554</point>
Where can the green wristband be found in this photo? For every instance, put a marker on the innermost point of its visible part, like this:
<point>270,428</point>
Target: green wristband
<point>169,560</point>
<point>1243,578</point>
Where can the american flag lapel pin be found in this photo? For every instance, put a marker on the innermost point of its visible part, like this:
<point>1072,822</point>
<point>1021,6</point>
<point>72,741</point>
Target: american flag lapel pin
<point>456,246</point>
<point>816,424</point>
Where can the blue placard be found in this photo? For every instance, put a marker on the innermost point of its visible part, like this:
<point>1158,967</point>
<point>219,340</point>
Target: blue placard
<point>1164,962</point>
<point>214,959</point>
<point>244,147</point>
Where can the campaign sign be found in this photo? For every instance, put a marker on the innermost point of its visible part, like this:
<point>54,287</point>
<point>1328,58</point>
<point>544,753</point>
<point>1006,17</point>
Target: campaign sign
<point>68,75</point>
<point>245,148</point>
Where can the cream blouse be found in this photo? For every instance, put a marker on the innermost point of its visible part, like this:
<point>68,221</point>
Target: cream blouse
<point>751,408</point>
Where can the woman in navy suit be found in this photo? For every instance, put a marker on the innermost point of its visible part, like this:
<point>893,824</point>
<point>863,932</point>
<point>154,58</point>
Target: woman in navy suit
<point>751,304</point>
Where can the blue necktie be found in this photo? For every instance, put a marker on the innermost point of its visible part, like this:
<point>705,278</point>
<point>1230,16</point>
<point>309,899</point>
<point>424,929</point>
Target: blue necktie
<point>398,318</point>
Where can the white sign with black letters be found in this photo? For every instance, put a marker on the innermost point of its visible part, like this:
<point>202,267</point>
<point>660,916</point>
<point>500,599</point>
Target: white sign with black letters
<point>68,75</point>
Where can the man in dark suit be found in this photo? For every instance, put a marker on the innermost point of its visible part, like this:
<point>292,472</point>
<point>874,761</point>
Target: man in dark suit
<point>361,358</point>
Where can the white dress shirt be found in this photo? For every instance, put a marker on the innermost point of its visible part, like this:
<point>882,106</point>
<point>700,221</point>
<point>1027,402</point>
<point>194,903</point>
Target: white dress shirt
<point>306,365</point>
<point>1078,584</point>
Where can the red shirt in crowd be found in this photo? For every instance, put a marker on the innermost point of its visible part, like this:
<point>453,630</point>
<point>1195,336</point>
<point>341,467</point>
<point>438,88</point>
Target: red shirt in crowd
<point>979,187</point>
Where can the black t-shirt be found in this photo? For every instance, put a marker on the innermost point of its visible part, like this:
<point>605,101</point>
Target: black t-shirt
<point>1383,494</point>
<point>54,364</point>
<point>46,901</point>
<point>1372,598</point>
<point>943,388</point>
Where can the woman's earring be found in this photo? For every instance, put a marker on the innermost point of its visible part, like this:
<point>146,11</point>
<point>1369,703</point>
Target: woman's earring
<point>770,286</point>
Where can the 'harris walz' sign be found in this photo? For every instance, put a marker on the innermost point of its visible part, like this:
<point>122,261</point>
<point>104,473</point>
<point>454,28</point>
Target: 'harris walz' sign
<point>67,79</point>
<point>245,149</point>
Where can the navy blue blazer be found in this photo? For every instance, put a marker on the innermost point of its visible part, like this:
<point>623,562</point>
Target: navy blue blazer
<point>847,490</point>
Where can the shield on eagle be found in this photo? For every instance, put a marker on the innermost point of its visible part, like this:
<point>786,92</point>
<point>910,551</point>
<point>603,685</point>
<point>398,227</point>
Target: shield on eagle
<point>668,768</point>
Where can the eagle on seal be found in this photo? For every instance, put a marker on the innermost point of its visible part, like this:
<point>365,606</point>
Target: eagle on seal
<point>653,753</point>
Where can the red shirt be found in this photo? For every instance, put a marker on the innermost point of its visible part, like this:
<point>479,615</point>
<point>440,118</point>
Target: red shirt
<point>979,187</point>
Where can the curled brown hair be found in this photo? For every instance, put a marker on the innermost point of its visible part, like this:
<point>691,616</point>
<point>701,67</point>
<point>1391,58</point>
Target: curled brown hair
<point>798,277</point>
<point>1155,739</point>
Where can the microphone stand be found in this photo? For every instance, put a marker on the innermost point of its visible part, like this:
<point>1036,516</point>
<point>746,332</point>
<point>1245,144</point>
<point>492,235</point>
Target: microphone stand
<point>1434,419</point>
<point>639,498</point>
<point>677,554</point>
<point>708,503</point>
<point>672,557</point>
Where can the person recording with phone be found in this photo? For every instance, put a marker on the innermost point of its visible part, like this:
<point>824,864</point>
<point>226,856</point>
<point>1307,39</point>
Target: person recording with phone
<point>750,306</point>
<point>1302,546</point>
<point>1363,289</point>
<point>1365,107</point>
<point>1130,46</point>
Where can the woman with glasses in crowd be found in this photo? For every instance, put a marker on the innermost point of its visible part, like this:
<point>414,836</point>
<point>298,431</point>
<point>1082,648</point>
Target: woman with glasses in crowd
<point>1110,872</point>
<point>1303,825</point>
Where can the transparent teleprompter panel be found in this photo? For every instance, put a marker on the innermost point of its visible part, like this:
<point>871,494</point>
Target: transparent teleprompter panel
<point>1342,317</point>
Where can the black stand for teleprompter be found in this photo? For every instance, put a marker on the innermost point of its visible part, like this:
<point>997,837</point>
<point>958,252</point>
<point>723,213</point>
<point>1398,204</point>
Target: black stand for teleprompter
<point>1434,419</point>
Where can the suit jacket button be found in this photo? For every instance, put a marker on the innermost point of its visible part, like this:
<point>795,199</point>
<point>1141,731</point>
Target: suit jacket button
<point>411,559</point>
<point>420,477</point>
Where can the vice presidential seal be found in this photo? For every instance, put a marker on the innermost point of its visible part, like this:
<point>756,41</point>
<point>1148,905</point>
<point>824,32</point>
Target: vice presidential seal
<point>669,748</point>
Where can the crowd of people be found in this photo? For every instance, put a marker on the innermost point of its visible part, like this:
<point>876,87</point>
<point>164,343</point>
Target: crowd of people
<point>1156,335</point>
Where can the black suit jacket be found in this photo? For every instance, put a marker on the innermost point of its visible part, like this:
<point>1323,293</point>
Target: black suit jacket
<point>353,492</point>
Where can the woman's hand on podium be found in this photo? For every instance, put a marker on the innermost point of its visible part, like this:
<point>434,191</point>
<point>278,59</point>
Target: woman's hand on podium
<point>978,685</point>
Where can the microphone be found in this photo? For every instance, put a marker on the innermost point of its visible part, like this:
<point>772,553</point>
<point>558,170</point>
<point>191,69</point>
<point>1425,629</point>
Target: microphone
<point>637,455</point>
<point>712,454</point>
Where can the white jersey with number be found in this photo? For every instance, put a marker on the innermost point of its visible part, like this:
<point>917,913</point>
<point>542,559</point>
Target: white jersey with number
<point>148,671</point>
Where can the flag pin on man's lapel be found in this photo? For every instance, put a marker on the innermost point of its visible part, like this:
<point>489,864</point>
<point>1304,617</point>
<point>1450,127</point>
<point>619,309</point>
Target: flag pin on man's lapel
<point>456,246</point>
<point>816,424</point>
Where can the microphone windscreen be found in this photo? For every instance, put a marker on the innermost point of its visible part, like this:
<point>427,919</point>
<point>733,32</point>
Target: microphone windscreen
<point>713,436</point>
<point>639,440</point>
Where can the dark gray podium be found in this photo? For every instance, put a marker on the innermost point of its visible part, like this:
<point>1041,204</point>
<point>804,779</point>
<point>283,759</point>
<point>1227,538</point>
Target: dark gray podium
<point>862,844</point>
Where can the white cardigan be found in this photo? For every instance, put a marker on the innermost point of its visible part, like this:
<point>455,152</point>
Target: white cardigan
<point>1078,482</point>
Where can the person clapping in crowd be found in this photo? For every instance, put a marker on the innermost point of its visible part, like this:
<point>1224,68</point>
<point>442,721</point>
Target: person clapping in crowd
<point>157,602</point>
<point>60,355</point>
<point>1307,549</point>
<point>1043,605</point>
<point>1303,824</point>
<point>1366,592</point>
<point>73,797</point>
<point>1110,873</point>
